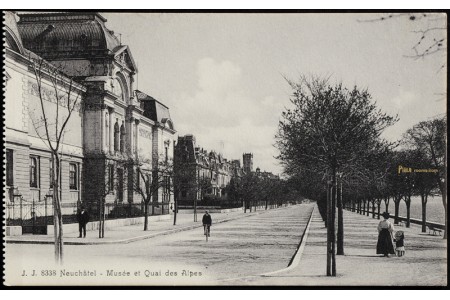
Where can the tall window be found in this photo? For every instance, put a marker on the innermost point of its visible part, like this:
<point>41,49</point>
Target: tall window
<point>122,138</point>
<point>120,185</point>
<point>9,168</point>
<point>116,137</point>
<point>111,178</point>
<point>33,172</point>
<point>73,177</point>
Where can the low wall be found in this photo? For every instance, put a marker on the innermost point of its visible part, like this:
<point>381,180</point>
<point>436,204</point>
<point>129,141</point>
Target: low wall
<point>71,228</point>
<point>13,230</point>
<point>403,219</point>
<point>226,210</point>
<point>210,210</point>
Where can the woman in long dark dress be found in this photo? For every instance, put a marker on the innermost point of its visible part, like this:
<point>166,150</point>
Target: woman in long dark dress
<point>385,229</point>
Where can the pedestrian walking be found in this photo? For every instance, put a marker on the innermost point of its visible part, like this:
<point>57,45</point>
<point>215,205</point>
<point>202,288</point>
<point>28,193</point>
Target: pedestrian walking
<point>207,221</point>
<point>385,229</point>
<point>399,243</point>
<point>83,219</point>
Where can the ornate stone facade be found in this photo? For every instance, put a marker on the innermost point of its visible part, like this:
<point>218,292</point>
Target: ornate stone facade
<point>113,125</point>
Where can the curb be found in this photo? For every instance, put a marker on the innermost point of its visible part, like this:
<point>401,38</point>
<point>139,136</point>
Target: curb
<point>295,260</point>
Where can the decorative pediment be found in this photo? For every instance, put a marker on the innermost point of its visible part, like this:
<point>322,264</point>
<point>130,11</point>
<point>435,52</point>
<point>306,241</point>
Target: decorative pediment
<point>122,55</point>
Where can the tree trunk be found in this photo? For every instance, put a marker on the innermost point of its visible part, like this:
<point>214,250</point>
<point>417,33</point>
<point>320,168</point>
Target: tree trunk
<point>397,206</point>
<point>195,209</point>
<point>340,230</point>
<point>424,212</point>
<point>364,207</point>
<point>175,204</point>
<point>444,193</point>
<point>444,200</point>
<point>103,218</point>
<point>328,224</point>
<point>408,211</point>
<point>57,216</point>
<point>368,207</point>
<point>379,208</point>
<point>153,207</point>
<point>146,215</point>
<point>100,218</point>
<point>373,209</point>
<point>333,224</point>
<point>386,204</point>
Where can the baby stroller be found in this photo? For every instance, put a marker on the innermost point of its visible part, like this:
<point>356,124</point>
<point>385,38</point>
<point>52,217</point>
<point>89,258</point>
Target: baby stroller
<point>399,243</point>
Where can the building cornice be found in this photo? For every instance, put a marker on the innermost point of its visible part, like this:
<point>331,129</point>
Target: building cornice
<point>46,75</point>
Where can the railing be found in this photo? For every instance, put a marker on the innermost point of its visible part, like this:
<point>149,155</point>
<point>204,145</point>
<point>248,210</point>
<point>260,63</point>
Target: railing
<point>218,204</point>
<point>24,213</point>
<point>404,219</point>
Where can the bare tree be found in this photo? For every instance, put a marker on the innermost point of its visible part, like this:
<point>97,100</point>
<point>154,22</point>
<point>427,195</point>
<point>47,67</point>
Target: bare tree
<point>50,124</point>
<point>430,138</point>
<point>430,29</point>
<point>149,179</point>
<point>328,129</point>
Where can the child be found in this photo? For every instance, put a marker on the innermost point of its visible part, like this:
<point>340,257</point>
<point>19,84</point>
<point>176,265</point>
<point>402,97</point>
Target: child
<point>399,245</point>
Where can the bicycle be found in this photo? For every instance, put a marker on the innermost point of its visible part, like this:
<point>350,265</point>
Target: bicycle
<point>206,230</point>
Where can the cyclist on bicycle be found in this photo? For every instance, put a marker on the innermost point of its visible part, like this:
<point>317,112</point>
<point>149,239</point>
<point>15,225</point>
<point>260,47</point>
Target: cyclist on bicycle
<point>206,220</point>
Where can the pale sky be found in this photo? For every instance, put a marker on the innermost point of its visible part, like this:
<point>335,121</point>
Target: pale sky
<point>222,74</point>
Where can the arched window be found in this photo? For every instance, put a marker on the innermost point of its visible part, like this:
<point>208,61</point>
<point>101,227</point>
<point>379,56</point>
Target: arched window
<point>116,136</point>
<point>122,138</point>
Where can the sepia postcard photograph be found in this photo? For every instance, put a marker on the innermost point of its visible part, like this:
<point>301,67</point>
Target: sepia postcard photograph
<point>248,148</point>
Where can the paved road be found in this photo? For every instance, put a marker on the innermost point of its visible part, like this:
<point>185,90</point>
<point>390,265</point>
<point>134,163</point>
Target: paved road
<point>248,246</point>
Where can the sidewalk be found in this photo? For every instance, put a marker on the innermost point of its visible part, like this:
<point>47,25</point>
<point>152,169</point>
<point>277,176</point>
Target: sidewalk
<point>132,233</point>
<point>424,264</point>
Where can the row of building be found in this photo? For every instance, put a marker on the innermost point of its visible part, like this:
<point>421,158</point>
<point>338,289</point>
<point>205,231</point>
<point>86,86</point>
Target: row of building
<point>114,131</point>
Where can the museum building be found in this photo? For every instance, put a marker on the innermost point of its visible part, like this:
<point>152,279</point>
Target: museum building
<point>113,131</point>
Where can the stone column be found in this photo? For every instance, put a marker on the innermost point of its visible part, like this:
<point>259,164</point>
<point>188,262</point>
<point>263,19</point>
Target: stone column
<point>136,139</point>
<point>131,134</point>
<point>111,130</point>
<point>105,130</point>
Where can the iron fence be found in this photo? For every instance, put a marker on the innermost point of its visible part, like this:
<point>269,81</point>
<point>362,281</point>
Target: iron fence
<point>219,204</point>
<point>35,214</point>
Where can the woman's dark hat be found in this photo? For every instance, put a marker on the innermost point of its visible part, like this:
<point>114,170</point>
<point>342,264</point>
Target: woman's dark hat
<point>386,215</point>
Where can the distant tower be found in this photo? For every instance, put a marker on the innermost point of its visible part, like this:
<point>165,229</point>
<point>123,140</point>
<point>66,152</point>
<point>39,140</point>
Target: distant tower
<point>247,159</point>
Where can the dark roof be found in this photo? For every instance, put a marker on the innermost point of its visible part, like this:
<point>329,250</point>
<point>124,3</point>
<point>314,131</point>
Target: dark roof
<point>154,110</point>
<point>78,33</point>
